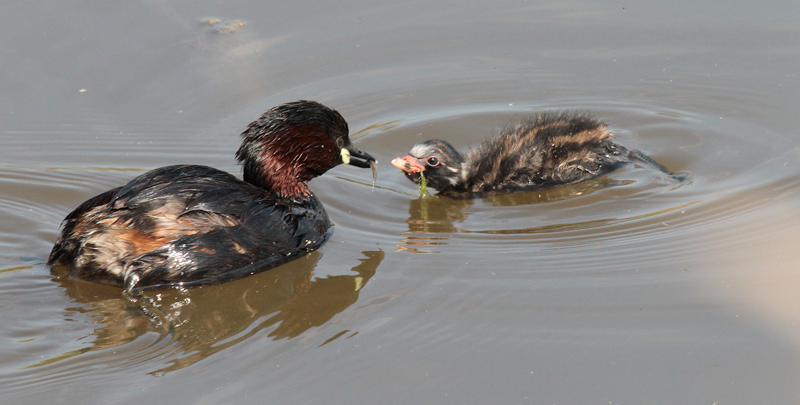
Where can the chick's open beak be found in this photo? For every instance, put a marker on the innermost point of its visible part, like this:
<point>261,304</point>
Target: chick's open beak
<point>352,156</point>
<point>408,164</point>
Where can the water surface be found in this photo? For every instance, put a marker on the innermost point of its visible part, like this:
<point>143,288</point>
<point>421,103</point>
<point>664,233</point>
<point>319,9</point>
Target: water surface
<point>631,288</point>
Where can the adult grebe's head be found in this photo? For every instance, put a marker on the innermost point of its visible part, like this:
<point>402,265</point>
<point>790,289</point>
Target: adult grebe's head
<point>294,142</point>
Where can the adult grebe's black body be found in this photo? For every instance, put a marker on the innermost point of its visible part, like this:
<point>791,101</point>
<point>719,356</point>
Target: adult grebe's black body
<point>547,150</point>
<point>191,224</point>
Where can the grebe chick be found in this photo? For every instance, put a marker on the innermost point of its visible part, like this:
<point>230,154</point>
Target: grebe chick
<point>191,224</point>
<point>547,150</point>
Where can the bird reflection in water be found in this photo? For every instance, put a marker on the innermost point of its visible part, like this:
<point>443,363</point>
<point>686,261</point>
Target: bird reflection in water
<point>285,301</point>
<point>432,220</point>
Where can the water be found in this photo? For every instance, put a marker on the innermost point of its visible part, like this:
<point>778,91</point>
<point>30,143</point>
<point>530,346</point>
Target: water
<point>632,288</point>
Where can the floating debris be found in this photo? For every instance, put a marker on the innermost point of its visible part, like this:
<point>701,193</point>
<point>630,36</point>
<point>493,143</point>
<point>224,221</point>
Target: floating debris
<point>220,27</point>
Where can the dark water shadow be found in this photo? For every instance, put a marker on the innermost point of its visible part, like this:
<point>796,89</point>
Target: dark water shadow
<point>195,323</point>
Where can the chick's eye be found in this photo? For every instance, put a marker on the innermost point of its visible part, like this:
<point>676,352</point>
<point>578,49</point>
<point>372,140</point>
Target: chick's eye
<point>432,161</point>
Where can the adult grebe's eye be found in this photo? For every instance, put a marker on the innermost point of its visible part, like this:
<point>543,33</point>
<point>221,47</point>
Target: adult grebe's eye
<point>432,161</point>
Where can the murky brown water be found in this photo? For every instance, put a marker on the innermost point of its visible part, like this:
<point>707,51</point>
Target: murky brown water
<point>627,289</point>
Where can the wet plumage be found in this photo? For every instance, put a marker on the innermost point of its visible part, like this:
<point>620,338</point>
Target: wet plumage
<point>189,224</point>
<point>545,151</point>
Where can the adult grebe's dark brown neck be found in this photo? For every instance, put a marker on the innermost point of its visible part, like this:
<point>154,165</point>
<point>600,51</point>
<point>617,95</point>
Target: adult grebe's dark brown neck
<point>291,144</point>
